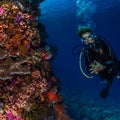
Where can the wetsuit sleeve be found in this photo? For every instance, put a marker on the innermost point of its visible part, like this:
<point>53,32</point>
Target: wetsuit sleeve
<point>108,60</point>
<point>108,56</point>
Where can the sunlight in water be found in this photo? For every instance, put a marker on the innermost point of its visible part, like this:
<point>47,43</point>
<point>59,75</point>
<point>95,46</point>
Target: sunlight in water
<point>85,11</point>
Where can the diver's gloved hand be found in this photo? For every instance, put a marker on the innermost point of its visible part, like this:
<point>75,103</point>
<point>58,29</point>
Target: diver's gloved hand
<point>104,93</point>
<point>96,67</point>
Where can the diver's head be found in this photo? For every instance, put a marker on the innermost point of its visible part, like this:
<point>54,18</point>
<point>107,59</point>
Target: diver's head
<point>85,33</point>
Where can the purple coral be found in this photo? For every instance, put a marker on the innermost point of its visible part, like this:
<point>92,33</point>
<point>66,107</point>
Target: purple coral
<point>18,18</point>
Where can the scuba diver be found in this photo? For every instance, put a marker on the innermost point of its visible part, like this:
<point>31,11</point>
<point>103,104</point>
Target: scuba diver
<point>99,57</point>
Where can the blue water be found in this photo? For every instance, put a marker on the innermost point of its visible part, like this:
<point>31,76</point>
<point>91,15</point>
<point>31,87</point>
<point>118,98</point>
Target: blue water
<point>81,95</point>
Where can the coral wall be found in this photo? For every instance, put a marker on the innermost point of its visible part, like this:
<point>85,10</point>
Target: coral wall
<point>28,85</point>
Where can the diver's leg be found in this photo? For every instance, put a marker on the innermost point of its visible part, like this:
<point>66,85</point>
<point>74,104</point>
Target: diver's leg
<point>104,93</point>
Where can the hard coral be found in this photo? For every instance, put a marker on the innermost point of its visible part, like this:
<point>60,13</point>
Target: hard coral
<point>27,84</point>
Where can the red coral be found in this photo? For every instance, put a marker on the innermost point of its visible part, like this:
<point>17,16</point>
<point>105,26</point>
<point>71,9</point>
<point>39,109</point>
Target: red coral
<point>52,96</point>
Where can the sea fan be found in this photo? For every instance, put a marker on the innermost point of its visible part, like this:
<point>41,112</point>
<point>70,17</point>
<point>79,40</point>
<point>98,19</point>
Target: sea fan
<point>61,113</point>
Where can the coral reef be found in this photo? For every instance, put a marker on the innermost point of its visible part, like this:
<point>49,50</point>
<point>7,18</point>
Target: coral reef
<point>28,86</point>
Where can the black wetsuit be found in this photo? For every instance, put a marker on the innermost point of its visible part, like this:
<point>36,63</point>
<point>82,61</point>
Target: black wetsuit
<point>102,53</point>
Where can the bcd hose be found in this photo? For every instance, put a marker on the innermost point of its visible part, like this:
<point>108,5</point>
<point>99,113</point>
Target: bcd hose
<point>80,65</point>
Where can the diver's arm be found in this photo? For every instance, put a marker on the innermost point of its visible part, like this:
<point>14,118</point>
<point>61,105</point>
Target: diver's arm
<point>106,59</point>
<point>108,55</point>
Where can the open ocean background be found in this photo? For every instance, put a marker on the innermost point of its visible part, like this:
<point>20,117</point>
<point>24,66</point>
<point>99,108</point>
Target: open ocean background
<point>81,95</point>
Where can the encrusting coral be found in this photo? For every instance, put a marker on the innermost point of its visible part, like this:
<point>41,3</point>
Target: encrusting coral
<point>28,86</point>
